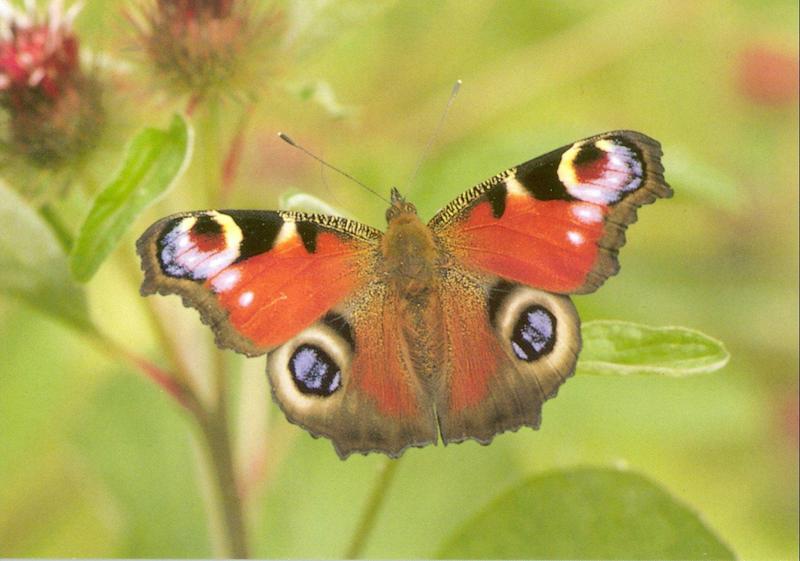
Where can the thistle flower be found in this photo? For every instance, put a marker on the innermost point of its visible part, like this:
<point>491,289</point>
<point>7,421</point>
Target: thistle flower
<point>53,107</point>
<point>202,47</point>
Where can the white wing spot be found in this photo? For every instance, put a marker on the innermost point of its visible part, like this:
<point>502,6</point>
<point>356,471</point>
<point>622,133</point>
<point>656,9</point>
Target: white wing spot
<point>246,298</point>
<point>576,238</point>
<point>226,280</point>
<point>587,213</point>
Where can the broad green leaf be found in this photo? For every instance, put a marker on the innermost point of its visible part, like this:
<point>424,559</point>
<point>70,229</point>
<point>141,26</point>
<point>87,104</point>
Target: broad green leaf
<point>33,267</point>
<point>621,348</point>
<point>587,513</point>
<point>154,159</point>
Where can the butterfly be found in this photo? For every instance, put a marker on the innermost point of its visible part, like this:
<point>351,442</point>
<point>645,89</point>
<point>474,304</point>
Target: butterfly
<point>456,329</point>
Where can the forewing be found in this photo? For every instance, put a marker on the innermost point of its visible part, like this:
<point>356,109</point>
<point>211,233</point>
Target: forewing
<point>557,221</point>
<point>257,277</point>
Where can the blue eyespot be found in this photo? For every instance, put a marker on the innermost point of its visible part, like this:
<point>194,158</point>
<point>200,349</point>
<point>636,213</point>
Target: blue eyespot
<point>314,372</point>
<point>534,334</point>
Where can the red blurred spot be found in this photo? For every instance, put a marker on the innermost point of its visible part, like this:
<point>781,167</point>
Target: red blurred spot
<point>769,76</point>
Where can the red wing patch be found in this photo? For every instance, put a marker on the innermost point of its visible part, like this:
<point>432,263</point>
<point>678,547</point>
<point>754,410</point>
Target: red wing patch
<point>274,295</point>
<point>551,245</point>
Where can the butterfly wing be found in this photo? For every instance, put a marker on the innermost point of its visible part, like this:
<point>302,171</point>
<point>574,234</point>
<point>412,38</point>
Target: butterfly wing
<point>509,347</point>
<point>520,242</point>
<point>370,399</point>
<point>306,288</point>
<point>257,277</point>
<point>557,222</point>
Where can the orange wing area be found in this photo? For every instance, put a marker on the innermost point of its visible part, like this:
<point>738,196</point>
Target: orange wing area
<point>552,245</point>
<point>274,295</point>
<point>473,354</point>
<point>381,366</point>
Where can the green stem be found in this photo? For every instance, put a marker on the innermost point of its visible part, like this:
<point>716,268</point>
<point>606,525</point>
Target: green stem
<point>62,233</point>
<point>216,434</point>
<point>210,131</point>
<point>374,503</point>
<point>169,347</point>
<point>166,380</point>
<point>215,428</point>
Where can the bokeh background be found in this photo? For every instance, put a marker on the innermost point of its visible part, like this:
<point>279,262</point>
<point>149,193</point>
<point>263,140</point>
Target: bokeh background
<point>96,460</point>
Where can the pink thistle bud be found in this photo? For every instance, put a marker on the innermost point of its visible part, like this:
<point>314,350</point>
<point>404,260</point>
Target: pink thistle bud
<point>202,47</point>
<point>53,106</point>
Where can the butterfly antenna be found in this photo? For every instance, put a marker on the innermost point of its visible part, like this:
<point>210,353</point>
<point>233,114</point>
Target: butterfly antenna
<point>291,142</point>
<point>426,151</point>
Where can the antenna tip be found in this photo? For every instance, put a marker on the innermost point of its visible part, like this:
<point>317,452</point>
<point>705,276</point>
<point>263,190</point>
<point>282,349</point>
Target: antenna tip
<point>286,139</point>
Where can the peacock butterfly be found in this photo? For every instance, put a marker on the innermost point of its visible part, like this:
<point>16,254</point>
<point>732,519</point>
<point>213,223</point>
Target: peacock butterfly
<point>458,329</point>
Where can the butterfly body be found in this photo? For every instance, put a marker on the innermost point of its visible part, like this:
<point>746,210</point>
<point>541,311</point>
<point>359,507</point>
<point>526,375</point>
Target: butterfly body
<point>455,329</point>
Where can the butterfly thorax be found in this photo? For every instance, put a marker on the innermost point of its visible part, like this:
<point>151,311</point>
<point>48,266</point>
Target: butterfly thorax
<point>409,251</point>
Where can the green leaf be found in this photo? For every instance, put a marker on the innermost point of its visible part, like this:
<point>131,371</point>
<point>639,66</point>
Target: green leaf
<point>33,267</point>
<point>587,513</point>
<point>154,159</point>
<point>621,348</point>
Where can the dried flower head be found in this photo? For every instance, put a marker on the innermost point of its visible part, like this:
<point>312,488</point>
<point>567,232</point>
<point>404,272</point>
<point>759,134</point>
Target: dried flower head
<point>53,108</point>
<point>202,46</point>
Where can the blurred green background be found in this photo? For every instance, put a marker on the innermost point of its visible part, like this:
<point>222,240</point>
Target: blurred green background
<point>97,461</point>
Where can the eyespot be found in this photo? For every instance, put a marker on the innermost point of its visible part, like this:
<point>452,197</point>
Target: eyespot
<point>534,334</point>
<point>314,372</point>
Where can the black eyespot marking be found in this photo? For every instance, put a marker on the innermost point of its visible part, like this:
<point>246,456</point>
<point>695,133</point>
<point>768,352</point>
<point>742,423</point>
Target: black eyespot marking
<point>497,198</point>
<point>308,235</point>
<point>314,372</point>
<point>341,327</point>
<point>497,294</point>
<point>589,152</point>
<point>534,334</point>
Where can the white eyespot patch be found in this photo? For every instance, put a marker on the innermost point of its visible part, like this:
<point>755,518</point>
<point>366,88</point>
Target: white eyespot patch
<point>201,247</point>
<point>600,172</point>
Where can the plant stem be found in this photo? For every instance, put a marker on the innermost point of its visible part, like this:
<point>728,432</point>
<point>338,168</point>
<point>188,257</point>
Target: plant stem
<point>180,369</point>
<point>372,508</point>
<point>215,431</point>
<point>57,226</point>
<point>166,380</point>
<point>215,428</point>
